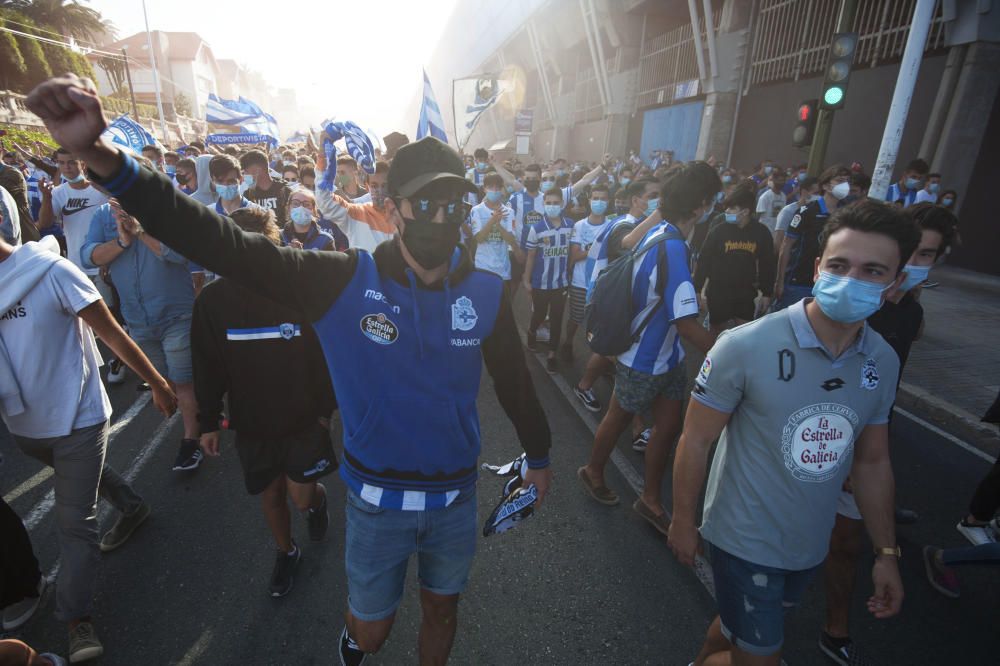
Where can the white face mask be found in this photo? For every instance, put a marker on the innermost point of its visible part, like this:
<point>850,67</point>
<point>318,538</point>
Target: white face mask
<point>841,190</point>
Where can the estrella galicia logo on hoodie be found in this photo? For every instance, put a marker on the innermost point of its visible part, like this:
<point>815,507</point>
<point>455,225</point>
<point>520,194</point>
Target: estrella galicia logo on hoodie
<point>379,328</point>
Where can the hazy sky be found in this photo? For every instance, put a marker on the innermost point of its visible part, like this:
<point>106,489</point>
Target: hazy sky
<point>358,60</point>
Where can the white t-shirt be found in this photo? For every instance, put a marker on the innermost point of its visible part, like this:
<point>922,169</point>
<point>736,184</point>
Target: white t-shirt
<point>60,378</point>
<point>10,221</point>
<point>74,210</point>
<point>492,253</point>
<point>584,235</point>
<point>769,205</point>
<point>924,195</point>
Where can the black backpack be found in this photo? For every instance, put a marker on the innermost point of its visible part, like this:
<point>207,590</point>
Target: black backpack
<point>608,316</point>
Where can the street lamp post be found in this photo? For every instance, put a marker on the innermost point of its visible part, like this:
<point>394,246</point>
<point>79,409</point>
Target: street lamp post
<point>156,76</point>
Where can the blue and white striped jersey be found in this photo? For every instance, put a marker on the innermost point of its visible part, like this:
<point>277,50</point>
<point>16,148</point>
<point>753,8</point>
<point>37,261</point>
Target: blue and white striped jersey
<point>523,203</point>
<point>597,256</point>
<point>659,348</point>
<point>551,269</point>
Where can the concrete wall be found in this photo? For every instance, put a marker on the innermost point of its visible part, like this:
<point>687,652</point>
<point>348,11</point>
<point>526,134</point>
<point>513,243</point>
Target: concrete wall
<point>767,117</point>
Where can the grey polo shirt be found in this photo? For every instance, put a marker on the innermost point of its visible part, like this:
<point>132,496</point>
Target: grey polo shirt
<point>795,414</point>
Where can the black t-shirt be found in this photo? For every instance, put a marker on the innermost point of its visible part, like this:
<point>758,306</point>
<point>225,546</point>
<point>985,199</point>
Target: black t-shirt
<point>804,229</point>
<point>899,323</point>
<point>736,260</point>
<point>273,198</point>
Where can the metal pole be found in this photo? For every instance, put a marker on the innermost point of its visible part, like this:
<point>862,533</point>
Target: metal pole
<point>824,119</point>
<point>696,32</point>
<point>901,96</point>
<point>156,76</point>
<point>743,76</point>
<point>710,38</point>
<point>131,90</point>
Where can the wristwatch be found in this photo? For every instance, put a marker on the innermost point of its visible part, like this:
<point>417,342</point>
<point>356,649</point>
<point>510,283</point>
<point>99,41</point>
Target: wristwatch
<point>893,551</point>
<point>122,245</point>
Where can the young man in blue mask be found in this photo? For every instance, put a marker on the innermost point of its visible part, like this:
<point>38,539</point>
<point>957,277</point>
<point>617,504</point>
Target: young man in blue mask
<point>492,223</point>
<point>801,398</point>
<point>800,247</point>
<point>417,312</point>
<point>905,191</point>
<point>899,321</point>
<point>481,165</point>
<point>546,272</point>
<point>931,189</point>
<point>585,232</point>
<point>267,192</point>
<point>227,177</point>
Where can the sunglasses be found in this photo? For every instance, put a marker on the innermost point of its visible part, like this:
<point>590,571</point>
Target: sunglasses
<point>424,210</point>
<point>548,180</point>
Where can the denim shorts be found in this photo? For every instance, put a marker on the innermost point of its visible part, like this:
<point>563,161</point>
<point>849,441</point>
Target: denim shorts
<point>635,390</point>
<point>753,599</point>
<point>168,348</point>
<point>379,543</point>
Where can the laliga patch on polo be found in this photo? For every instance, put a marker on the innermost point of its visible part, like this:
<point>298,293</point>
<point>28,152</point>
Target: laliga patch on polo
<point>706,370</point>
<point>379,328</point>
<point>869,375</point>
<point>514,508</point>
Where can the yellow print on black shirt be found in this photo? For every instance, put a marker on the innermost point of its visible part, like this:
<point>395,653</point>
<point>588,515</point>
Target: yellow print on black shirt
<point>741,246</point>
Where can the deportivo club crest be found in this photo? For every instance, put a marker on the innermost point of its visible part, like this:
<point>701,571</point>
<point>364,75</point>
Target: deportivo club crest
<point>463,315</point>
<point>287,331</point>
<point>869,375</point>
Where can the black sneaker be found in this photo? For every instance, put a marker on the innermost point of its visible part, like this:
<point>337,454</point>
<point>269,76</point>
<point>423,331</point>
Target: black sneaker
<point>532,341</point>
<point>283,575</point>
<point>350,653</point>
<point>189,456</point>
<point>841,651</point>
<point>551,365</point>
<point>587,398</point>
<point>641,441</point>
<point>318,519</point>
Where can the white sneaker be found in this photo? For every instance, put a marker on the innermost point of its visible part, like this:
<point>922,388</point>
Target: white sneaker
<point>17,614</point>
<point>976,534</point>
<point>116,371</point>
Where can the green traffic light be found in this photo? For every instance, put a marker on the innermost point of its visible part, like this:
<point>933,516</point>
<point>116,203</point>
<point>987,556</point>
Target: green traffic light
<point>833,95</point>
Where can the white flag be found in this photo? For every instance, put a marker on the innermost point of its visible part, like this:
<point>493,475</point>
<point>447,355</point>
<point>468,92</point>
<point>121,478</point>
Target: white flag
<point>471,98</point>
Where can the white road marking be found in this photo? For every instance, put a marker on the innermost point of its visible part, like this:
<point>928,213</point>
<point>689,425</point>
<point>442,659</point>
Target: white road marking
<point>28,485</point>
<point>946,435</point>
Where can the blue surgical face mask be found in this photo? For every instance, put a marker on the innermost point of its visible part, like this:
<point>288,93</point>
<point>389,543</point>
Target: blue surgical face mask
<point>300,216</point>
<point>249,181</point>
<point>598,206</point>
<point>768,170</point>
<point>228,192</point>
<point>913,183</point>
<point>947,201</point>
<point>170,169</point>
<point>803,175</point>
<point>560,172</point>
<point>732,218</point>
<point>625,181</point>
<point>652,205</point>
<point>493,196</point>
<point>553,210</point>
<point>914,276</point>
<point>846,299</point>
<point>726,179</point>
<point>482,166</point>
<point>933,188</point>
<point>78,179</point>
<point>510,189</point>
<point>546,185</point>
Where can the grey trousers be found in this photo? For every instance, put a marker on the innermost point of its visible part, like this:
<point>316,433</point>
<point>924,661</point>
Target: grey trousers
<point>80,474</point>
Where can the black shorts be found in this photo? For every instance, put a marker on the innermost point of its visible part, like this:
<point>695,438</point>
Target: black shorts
<point>723,308</point>
<point>302,457</point>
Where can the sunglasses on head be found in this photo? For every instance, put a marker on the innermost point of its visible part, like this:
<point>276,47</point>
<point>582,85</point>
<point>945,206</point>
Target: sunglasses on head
<point>424,210</point>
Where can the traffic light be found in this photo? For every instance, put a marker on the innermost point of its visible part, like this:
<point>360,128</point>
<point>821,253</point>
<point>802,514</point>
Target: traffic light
<point>805,124</point>
<point>838,70</point>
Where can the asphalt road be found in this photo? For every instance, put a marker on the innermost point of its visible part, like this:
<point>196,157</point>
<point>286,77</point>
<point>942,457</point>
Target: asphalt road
<point>579,583</point>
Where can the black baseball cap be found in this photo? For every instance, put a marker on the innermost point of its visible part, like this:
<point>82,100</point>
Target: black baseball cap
<point>417,165</point>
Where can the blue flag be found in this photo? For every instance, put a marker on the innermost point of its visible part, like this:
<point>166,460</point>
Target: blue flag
<point>243,137</point>
<point>127,133</point>
<point>430,123</point>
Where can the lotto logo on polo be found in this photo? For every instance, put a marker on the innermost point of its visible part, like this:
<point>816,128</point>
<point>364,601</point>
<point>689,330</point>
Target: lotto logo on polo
<point>817,440</point>
<point>379,328</point>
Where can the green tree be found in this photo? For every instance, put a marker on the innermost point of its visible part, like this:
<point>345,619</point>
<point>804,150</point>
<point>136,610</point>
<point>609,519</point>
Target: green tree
<point>182,105</point>
<point>66,17</point>
<point>12,63</point>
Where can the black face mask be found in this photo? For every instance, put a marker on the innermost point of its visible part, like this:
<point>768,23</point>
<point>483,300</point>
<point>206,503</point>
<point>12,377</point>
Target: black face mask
<point>429,243</point>
<point>532,184</point>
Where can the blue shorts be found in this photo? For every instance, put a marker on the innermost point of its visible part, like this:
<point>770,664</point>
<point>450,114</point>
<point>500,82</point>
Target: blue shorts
<point>379,544</point>
<point>753,599</point>
<point>168,348</point>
